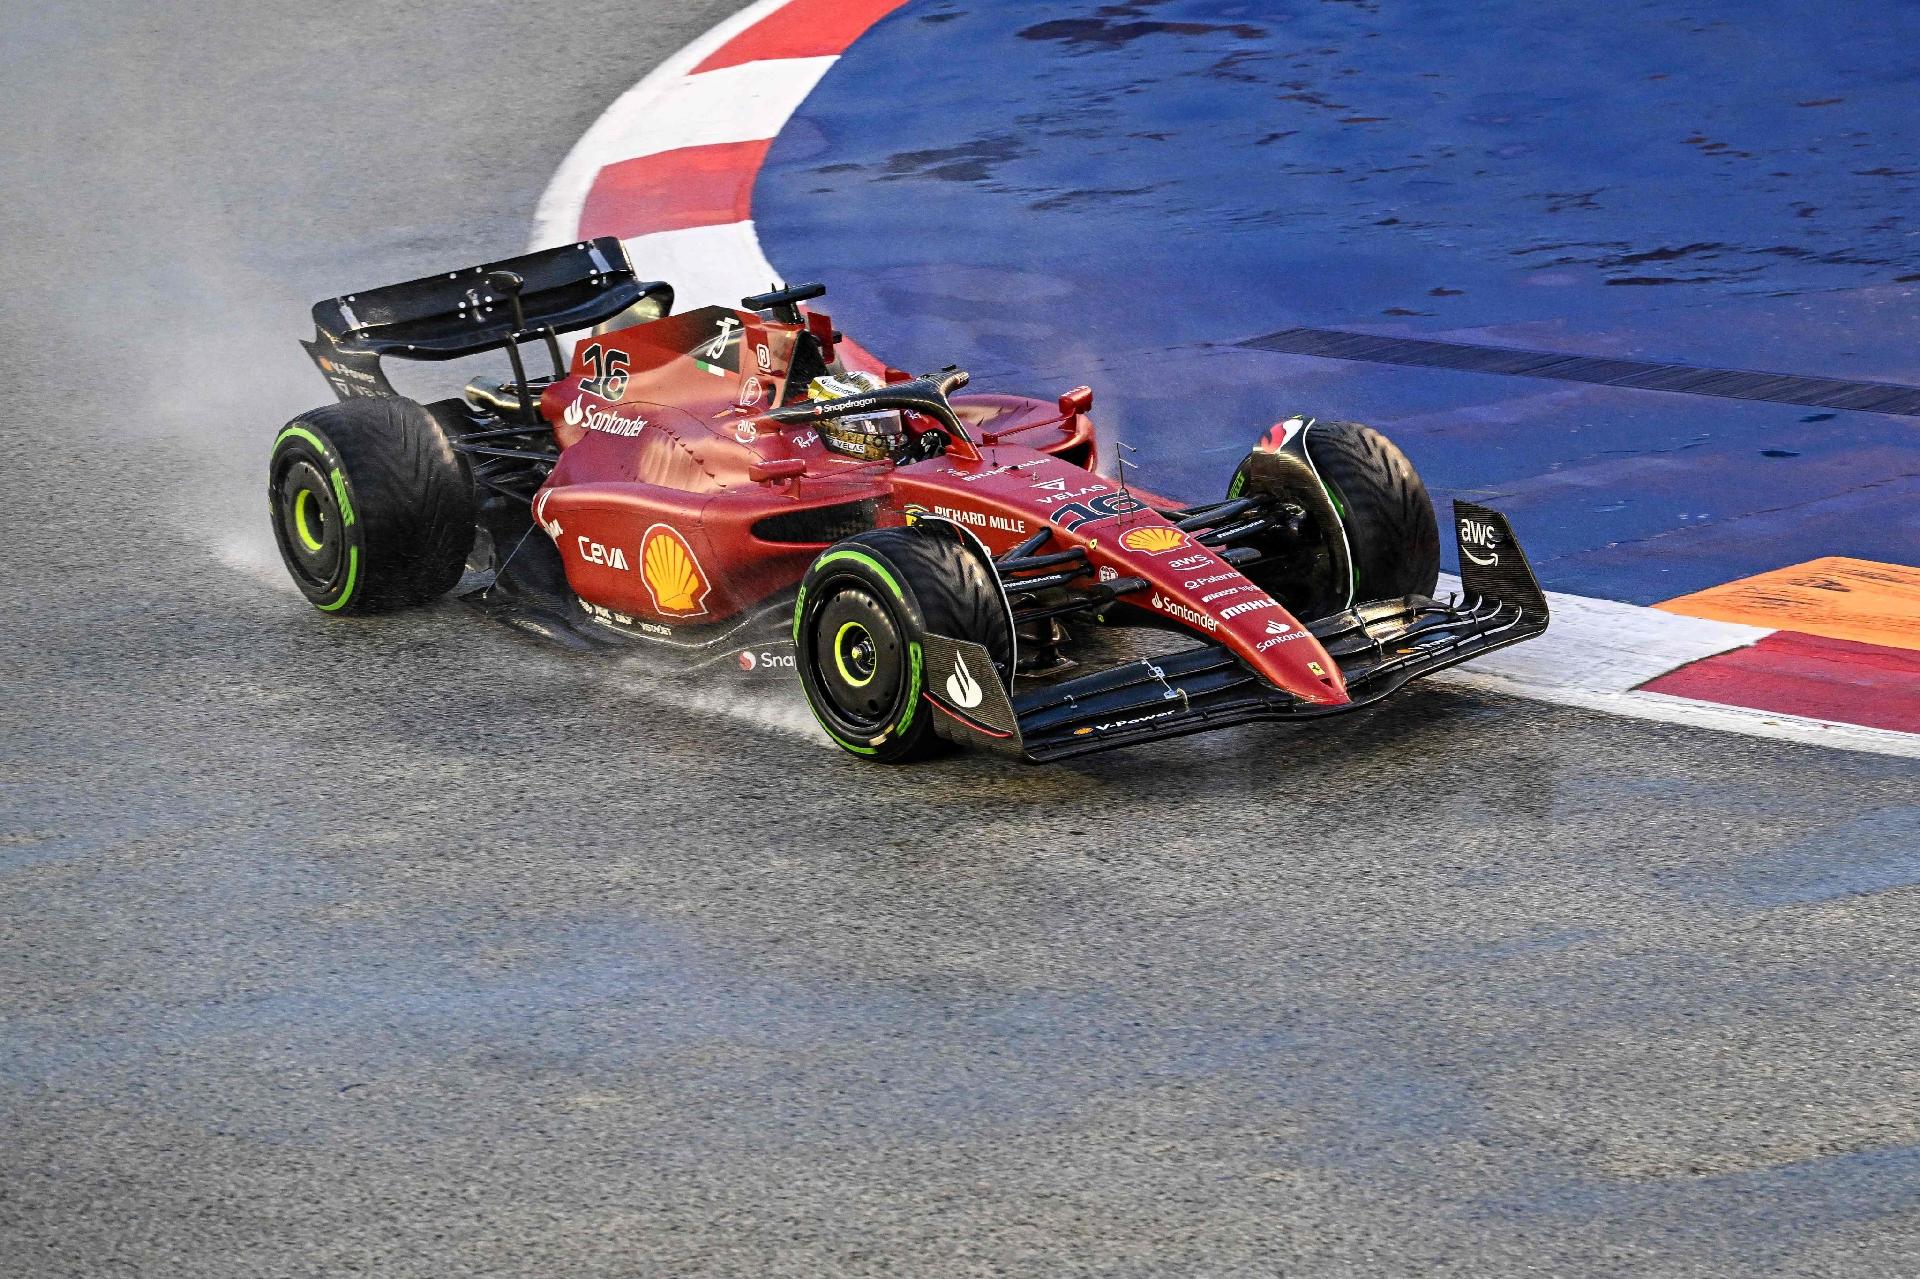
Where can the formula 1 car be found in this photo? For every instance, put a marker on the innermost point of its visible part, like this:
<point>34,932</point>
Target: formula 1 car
<point>746,485</point>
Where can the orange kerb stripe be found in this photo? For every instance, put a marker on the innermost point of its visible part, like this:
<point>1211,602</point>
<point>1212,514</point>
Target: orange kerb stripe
<point>1836,597</point>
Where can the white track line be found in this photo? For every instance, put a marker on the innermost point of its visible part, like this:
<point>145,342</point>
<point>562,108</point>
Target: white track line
<point>1593,656</point>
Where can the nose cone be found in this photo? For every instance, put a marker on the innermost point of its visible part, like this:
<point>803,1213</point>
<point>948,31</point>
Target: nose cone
<point>1191,584</point>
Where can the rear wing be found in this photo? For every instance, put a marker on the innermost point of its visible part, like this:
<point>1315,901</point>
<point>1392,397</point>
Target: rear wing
<point>458,313</point>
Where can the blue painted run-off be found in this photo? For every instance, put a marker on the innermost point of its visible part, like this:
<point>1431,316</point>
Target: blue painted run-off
<point>1116,193</point>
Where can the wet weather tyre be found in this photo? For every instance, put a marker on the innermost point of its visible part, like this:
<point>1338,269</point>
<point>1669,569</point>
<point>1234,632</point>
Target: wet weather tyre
<point>372,507</point>
<point>864,609</point>
<point>1386,516</point>
<point>1391,533</point>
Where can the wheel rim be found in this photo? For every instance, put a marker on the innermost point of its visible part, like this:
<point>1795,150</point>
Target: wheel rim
<point>309,516</point>
<point>854,654</point>
<point>860,658</point>
<point>308,524</point>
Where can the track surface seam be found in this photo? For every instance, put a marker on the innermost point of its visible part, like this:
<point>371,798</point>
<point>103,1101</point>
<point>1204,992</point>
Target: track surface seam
<point>1890,398</point>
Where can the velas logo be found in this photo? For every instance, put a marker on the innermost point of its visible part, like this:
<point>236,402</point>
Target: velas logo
<point>1479,542</point>
<point>962,689</point>
<point>603,420</point>
<point>1154,540</point>
<point>673,576</point>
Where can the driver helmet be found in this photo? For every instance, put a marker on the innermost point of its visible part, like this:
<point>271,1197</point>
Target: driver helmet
<point>869,436</point>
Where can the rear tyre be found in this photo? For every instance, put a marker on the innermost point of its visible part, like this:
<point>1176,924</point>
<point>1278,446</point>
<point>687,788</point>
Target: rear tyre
<point>1392,538</point>
<point>372,507</point>
<point>864,608</point>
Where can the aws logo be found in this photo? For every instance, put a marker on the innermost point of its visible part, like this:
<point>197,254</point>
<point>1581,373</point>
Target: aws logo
<point>673,575</point>
<point>1480,542</point>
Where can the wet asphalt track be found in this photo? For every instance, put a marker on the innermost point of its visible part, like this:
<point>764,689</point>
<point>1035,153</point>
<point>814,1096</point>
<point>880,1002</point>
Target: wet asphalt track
<point>403,947</point>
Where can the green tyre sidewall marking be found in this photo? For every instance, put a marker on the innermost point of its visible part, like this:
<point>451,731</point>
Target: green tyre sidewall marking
<point>914,664</point>
<point>337,476</point>
<point>302,433</point>
<point>353,579</point>
<point>340,492</point>
<point>885,574</point>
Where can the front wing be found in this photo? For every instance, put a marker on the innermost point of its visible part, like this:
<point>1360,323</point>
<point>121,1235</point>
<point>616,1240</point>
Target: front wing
<point>1379,645</point>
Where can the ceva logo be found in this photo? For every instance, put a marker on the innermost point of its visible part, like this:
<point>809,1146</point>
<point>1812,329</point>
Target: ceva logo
<point>594,553</point>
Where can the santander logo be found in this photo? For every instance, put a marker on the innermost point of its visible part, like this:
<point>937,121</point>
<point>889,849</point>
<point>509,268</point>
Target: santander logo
<point>962,689</point>
<point>602,420</point>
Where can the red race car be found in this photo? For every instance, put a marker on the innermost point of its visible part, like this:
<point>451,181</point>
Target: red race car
<point>743,486</point>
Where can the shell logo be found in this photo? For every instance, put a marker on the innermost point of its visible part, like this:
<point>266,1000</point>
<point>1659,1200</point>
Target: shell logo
<point>673,576</point>
<point>1154,540</point>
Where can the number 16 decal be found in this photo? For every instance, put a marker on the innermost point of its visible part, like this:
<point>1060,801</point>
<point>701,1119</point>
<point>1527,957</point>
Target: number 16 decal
<point>607,372</point>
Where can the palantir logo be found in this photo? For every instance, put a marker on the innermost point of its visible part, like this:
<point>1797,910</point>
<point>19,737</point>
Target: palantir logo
<point>1479,535</point>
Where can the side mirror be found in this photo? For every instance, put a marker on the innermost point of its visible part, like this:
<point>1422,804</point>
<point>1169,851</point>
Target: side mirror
<point>1078,400</point>
<point>773,470</point>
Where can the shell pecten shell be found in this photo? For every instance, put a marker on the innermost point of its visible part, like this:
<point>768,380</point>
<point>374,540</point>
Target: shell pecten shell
<point>671,572</point>
<point>1153,539</point>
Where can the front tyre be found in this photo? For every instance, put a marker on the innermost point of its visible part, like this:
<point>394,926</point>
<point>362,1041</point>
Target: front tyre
<point>864,610</point>
<point>1386,518</point>
<point>372,507</point>
<point>1391,533</point>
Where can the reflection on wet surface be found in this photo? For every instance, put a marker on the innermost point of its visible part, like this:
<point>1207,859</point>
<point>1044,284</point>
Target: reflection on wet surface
<point>1109,193</point>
